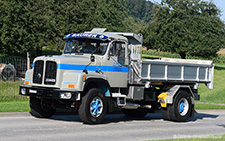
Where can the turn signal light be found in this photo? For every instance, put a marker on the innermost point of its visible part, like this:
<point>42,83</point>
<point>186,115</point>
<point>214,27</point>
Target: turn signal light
<point>27,82</point>
<point>84,78</point>
<point>71,86</point>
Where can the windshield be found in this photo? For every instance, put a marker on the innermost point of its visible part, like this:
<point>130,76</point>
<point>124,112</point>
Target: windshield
<point>85,45</point>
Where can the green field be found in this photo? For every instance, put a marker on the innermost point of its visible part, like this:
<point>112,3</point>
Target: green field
<point>9,91</point>
<point>10,100</point>
<point>217,94</point>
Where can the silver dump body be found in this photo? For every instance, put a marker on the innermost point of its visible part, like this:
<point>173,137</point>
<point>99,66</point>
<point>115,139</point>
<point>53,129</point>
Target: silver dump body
<point>169,70</point>
<point>178,70</point>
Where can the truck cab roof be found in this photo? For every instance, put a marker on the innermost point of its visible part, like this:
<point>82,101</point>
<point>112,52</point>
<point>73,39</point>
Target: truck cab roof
<point>100,34</point>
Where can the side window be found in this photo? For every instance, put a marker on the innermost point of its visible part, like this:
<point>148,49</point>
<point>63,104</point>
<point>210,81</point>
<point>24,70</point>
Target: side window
<point>121,49</point>
<point>118,49</point>
<point>112,51</point>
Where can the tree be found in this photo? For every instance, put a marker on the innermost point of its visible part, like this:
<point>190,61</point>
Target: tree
<point>12,27</point>
<point>26,25</point>
<point>42,24</point>
<point>187,27</point>
<point>140,9</point>
<point>34,24</point>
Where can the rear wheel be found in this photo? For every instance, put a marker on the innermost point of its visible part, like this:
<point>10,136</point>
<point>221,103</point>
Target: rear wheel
<point>93,107</point>
<point>181,108</point>
<point>41,108</point>
<point>139,112</point>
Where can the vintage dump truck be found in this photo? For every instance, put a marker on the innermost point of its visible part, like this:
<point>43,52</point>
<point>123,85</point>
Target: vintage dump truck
<point>99,71</point>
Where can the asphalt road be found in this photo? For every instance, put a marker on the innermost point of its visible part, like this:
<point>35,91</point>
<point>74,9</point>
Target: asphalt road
<point>22,126</point>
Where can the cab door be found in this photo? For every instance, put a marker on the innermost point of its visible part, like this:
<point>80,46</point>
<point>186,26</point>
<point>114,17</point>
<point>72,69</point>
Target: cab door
<point>117,64</point>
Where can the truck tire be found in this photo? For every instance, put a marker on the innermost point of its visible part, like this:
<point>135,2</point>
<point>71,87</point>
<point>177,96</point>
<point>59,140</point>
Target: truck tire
<point>93,107</point>
<point>180,110</point>
<point>41,108</point>
<point>139,112</point>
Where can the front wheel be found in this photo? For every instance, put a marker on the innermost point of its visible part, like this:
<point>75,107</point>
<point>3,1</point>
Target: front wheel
<point>41,108</point>
<point>93,107</point>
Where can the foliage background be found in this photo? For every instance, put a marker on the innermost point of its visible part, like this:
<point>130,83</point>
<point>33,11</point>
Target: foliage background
<point>186,27</point>
<point>34,24</point>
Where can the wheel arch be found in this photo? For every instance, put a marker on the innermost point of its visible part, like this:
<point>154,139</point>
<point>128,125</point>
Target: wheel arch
<point>172,92</point>
<point>97,83</point>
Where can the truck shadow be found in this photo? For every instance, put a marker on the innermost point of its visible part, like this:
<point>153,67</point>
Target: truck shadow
<point>201,116</point>
<point>117,117</point>
<point>114,117</point>
<point>120,117</point>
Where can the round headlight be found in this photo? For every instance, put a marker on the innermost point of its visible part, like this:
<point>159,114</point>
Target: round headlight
<point>23,91</point>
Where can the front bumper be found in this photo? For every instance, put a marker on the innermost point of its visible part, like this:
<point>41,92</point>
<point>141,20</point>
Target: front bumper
<point>53,93</point>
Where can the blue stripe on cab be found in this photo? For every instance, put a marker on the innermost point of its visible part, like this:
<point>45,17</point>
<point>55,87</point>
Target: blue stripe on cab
<point>92,68</point>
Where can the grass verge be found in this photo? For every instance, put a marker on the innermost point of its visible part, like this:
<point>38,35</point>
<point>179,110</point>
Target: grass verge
<point>15,106</point>
<point>216,95</point>
<point>9,91</point>
<point>208,106</point>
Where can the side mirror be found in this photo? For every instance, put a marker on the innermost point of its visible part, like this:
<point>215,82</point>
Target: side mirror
<point>108,54</point>
<point>108,57</point>
<point>59,46</point>
<point>92,58</point>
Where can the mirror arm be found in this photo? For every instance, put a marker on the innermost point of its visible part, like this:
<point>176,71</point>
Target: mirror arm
<point>59,46</point>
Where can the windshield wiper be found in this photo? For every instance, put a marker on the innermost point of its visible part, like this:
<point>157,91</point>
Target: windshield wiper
<point>95,50</point>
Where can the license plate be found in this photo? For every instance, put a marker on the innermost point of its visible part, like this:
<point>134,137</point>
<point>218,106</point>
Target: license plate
<point>33,91</point>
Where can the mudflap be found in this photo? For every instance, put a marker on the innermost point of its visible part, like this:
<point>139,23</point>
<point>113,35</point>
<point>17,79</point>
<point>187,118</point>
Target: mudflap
<point>109,104</point>
<point>193,111</point>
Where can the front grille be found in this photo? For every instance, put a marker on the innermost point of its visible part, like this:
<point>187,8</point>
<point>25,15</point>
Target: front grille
<point>38,72</point>
<point>50,73</point>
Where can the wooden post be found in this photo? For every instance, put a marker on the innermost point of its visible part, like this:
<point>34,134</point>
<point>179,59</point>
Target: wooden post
<point>28,61</point>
